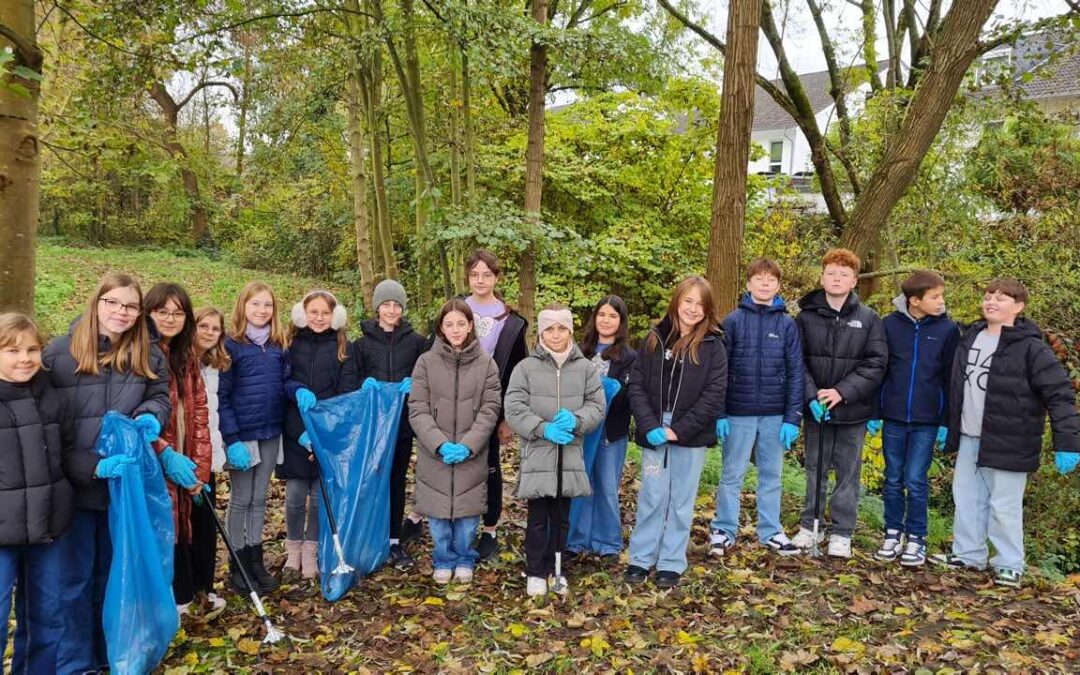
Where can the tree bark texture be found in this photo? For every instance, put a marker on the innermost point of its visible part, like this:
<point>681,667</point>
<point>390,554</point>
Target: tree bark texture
<point>534,162</point>
<point>200,220</point>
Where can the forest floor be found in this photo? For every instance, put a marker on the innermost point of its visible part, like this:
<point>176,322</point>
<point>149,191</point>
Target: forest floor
<point>751,612</point>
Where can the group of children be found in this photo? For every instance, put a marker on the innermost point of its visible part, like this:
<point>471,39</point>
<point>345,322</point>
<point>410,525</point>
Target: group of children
<point>210,395</point>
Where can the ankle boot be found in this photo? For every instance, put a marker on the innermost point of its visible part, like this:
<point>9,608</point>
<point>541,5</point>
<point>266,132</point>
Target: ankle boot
<point>259,576</point>
<point>236,578</point>
<point>309,558</point>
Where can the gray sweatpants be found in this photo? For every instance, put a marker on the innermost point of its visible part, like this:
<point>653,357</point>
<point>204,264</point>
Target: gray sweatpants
<point>302,503</point>
<point>843,454</point>
<point>247,496</point>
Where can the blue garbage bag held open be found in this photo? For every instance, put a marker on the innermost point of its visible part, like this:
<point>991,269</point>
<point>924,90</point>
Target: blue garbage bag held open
<point>353,437</point>
<point>592,444</point>
<point>140,617</point>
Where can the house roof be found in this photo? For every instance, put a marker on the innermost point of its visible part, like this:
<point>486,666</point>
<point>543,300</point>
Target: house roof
<point>769,115</point>
<point>1054,60</point>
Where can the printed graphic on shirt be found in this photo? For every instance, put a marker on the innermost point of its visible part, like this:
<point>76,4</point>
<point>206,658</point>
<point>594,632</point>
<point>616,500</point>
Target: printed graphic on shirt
<point>484,326</point>
<point>977,369</point>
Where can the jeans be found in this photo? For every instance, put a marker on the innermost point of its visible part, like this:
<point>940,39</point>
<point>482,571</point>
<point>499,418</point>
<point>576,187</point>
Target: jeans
<point>399,474</point>
<point>665,507</point>
<point>302,509</point>
<point>745,431</point>
<point>39,606</point>
<point>843,454</point>
<point>86,553</point>
<point>989,504</point>
<point>907,449</point>
<point>453,542</point>
<point>247,502</point>
<point>547,523</point>
<point>595,521</point>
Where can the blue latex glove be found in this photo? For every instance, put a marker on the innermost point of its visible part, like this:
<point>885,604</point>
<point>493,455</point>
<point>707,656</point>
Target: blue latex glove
<point>557,435</point>
<point>461,453</point>
<point>405,386</point>
<point>148,426</point>
<point>565,420</point>
<point>656,437</point>
<point>305,399</point>
<point>238,456</point>
<point>112,467</point>
<point>874,426</point>
<point>452,453</point>
<point>178,469</point>
<point>788,434</point>
<point>1066,461</point>
<point>305,440</point>
<point>820,412</point>
<point>723,429</point>
<point>370,384</point>
<point>942,436</point>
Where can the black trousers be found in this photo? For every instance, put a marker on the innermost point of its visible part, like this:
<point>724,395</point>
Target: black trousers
<point>193,564</point>
<point>548,523</point>
<point>399,476</point>
<point>494,482</point>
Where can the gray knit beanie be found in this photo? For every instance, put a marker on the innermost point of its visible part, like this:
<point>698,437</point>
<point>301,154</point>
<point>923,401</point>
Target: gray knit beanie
<point>388,290</point>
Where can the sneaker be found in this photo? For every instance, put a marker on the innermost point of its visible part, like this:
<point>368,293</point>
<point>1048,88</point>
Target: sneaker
<point>400,559</point>
<point>635,574</point>
<point>609,558</point>
<point>559,585</point>
<point>442,576</point>
<point>463,575</point>
<point>804,538</point>
<point>487,546</point>
<point>781,545</point>
<point>667,579</point>
<point>1007,577</point>
<point>183,609</point>
<point>891,547</point>
<point>839,547</point>
<point>953,562</point>
<point>914,552</point>
<point>410,531</point>
<point>719,543</point>
<point>216,602</point>
<point>536,586</point>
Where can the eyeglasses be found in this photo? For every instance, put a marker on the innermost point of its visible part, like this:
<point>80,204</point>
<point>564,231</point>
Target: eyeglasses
<point>117,307</point>
<point>165,315</point>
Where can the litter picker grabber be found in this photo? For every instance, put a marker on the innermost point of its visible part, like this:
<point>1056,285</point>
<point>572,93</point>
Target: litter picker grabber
<point>815,550</point>
<point>342,568</point>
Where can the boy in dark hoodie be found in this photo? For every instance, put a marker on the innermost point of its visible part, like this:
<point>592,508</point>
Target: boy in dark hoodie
<point>921,339</point>
<point>845,354</point>
<point>1005,379</point>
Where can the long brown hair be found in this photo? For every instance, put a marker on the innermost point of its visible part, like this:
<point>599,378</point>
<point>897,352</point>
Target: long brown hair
<point>217,356</point>
<point>130,352</point>
<point>456,305</point>
<point>687,344</point>
<point>278,336</point>
<point>591,338</point>
<point>180,346</point>
<point>342,334</point>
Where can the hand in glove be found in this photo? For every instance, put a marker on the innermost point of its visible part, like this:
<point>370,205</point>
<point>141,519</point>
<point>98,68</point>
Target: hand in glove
<point>179,469</point>
<point>305,441</point>
<point>789,433</point>
<point>820,412</point>
<point>942,436</point>
<point>565,420</point>
<point>112,467</point>
<point>1066,461</point>
<point>238,456</point>
<point>557,435</point>
<point>405,386</point>
<point>305,399</point>
<point>874,426</point>
<point>656,437</point>
<point>452,453</point>
<point>723,429</point>
<point>148,426</point>
<point>370,384</point>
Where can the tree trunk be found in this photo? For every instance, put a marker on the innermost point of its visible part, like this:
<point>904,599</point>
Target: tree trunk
<point>359,184</point>
<point>247,41</point>
<point>957,44</point>
<point>171,110</point>
<point>20,160</point>
<point>733,154</point>
<point>534,163</point>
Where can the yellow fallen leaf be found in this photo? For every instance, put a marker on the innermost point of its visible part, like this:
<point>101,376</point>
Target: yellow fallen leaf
<point>516,629</point>
<point>684,638</point>
<point>901,611</point>
<point>235,634</point>
<point>437,602</point>
<point>191,658</point>
<point>248,646</point>
<point>847,645</point>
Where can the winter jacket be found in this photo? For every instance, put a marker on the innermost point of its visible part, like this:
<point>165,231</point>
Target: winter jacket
<point>455,398</point>
<point>843,350</point>
<point>1026,381</point>
<point>765,361</point>
<point>693,392</point>
<point>538,389</point>
<point>916,385</point>
<point>211,380</point>
<point>390,358</point>
<point>88,397</point>
<point>315,366</point>
<point>36,499</point>
<point>617,424</point>
<point>253,392</point>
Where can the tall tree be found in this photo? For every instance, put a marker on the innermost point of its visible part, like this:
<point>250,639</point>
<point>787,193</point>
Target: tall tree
<point>534,158</point>
<point>358,155</point>
<point>20,160</point>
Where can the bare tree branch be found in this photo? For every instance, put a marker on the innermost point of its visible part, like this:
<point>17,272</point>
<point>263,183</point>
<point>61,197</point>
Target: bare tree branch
<point>203,85</point>
<point>26,51</point>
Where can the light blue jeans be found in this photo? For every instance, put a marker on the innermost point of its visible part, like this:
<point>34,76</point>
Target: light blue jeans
<point>595,521</point>
<point>745,431</point>
<point>989,505</point>
<point>453,542</point>
<point>665,507</point>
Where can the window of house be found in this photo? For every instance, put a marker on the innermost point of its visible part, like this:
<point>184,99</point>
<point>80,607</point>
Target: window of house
<point>776,156</point>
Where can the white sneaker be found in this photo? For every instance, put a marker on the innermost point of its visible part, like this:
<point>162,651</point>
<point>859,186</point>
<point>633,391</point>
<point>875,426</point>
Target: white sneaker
<point>804,538</point>
<point>463,575</point>
<point>536,586</point>
<point>559,585</point>
<point>839,547</point>
<point>719,543</point>
<point>891,547</point>
<point>216,601</point>
<point>442,576</point>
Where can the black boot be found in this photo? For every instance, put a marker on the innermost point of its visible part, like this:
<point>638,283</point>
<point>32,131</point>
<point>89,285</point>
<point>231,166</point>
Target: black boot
<point>236,578</point>
<point>259,576</point>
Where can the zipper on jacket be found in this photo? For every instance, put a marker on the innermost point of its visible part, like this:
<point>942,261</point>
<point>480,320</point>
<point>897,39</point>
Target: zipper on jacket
<point>760,358</point>
<point>558,448</point>
<point>453,425</point>
<point>914,362</point>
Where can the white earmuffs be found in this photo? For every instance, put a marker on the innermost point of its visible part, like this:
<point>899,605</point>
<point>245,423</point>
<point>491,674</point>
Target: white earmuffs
<point>337,321</point>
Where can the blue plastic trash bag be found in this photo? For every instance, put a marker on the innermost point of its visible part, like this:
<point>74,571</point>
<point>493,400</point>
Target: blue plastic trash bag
<point>592,445</point>
<point>140,617</point>
<point>353,436</point>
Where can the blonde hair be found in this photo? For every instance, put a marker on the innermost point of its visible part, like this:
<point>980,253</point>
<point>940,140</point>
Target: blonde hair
<point>217,356</point>
<point>129,353</point>
<point>342,335</point>
<point>15,326</point>
<point>687,344</point>
<point>278,336</point>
